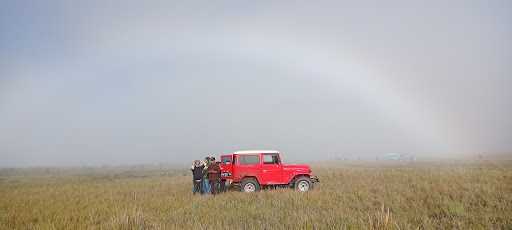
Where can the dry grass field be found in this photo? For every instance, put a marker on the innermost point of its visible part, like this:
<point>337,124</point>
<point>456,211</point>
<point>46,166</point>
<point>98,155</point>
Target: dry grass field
<point>350,196</point>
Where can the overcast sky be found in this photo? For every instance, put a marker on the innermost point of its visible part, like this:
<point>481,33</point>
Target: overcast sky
<point>133,82</point>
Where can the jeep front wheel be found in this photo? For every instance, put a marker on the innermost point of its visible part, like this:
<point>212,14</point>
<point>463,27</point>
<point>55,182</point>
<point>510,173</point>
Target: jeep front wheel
<point>303,184</point>
<point>250,185</point>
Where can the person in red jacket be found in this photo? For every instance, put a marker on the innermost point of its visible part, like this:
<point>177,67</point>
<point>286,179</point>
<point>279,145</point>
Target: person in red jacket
<point>213,175</point>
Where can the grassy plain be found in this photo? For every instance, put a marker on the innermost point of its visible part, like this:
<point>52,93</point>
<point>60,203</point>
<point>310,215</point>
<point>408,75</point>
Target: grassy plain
<point>350,196</point>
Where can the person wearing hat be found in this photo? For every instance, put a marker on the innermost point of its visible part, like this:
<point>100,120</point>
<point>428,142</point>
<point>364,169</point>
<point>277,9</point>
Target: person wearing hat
<point>213,175</point>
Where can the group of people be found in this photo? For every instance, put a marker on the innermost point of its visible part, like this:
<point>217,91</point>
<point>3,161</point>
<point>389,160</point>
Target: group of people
<point>206,177</point>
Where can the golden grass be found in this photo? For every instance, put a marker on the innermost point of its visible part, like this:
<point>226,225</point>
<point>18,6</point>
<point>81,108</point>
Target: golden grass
<point>471,196</point>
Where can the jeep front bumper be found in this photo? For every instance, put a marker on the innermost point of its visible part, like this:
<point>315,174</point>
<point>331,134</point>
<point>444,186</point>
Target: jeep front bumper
<point>315,179</point>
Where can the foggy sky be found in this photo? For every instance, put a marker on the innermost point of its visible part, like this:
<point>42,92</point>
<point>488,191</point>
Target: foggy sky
<point>135,82</point>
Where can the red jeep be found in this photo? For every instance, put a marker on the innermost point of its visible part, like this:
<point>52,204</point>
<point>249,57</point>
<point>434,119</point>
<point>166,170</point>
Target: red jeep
<point>254,169</point>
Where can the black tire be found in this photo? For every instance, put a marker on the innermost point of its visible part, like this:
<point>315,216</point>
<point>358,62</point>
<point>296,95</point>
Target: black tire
<point>303,184</point>
<point>249,185</point>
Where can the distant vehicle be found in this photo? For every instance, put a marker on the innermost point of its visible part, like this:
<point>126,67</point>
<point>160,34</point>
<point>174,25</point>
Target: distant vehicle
<point>254,169</point>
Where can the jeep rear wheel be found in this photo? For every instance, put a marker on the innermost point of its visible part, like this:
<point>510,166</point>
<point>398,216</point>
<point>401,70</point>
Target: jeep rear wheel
<point>303,184</point>
<point>249,185</point>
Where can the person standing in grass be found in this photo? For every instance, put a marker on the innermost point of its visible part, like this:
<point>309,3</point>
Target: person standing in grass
<point>197,176</point>
<point>205,183</point>
<point>222,181</point>
<point>213,175</point>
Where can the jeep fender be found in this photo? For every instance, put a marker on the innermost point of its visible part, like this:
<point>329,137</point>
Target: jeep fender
<point>292,181</point>
<point>251,176</point>
<point>241,177</point>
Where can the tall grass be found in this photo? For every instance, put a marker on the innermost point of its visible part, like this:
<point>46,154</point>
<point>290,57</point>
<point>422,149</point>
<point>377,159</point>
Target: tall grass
<point>472,196</point>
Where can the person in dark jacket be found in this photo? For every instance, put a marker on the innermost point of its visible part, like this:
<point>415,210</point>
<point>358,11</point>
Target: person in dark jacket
<point>197,176</point>
<point>214,175</point>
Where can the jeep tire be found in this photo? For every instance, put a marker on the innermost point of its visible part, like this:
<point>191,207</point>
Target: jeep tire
<point>249,185</point>
<point>303,184</point>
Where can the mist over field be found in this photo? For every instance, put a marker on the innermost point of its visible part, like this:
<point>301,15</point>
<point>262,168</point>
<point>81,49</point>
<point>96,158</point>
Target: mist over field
<point>131,82</point>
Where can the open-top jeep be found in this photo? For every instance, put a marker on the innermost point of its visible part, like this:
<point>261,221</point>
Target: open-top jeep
<point>254,169</point>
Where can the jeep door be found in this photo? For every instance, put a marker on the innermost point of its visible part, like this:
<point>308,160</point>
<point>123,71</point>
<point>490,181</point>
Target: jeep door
<point>271,169</point>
